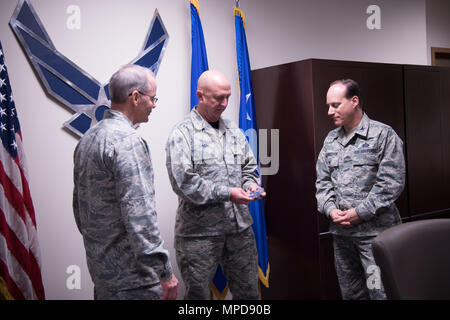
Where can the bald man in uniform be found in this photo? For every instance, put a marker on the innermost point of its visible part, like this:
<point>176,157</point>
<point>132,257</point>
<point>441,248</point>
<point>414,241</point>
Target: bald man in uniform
<point>213,171</point>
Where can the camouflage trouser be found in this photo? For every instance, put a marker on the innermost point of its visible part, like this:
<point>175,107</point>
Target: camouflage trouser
<point>358,275</point>
<point>153,292</point>
<point>198,258</point>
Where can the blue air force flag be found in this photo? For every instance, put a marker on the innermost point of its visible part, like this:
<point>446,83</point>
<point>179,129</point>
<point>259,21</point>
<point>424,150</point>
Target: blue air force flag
<point>199,59</point>
<point>247,122</point>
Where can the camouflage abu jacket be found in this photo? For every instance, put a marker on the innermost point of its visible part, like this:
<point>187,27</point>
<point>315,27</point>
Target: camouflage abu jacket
<point>114,206</point>
<point>365,171</point>
<point>203,165</point>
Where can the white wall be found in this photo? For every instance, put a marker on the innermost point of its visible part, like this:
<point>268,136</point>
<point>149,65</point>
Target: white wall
<point>294,30</point>
<point>438,25</point>
<point>112,33</point>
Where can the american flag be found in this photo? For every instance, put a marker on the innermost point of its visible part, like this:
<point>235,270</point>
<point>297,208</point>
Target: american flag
<point>20,272</point>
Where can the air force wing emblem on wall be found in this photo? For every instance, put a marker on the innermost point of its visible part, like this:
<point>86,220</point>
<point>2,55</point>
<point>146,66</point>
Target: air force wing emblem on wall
<point>67,82</point>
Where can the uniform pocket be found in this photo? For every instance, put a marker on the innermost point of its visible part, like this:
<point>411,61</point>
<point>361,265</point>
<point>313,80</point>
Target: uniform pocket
<point>237,156</point>
<point>333,162</point>
<point>365,169</point>
<point>366,160</point>
<point>333,166</point>
<point>205,151</point>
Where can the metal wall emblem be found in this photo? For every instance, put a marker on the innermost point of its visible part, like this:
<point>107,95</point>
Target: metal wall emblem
<point>64,80</point>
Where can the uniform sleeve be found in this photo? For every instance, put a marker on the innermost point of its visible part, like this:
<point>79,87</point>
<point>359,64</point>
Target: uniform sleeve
<point>249,168</point>
<point>185,182</point>
<point>325,193</point>
<point>75,203</point>
<point>390,179</point>
<point>135,192</point>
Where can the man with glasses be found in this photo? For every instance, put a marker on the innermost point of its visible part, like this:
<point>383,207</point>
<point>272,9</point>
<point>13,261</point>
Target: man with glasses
<point>213,171</point>
<point>114,197</point>
<point>360,173</point>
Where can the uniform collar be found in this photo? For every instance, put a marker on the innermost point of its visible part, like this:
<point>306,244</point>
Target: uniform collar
<point>363,127</point>
<point>201,124</point>
<point>117,115</point>
<point>362,130</point>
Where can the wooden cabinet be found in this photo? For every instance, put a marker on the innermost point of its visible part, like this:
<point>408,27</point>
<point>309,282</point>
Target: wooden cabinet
<point>292,98</point>
<point>427,100</point>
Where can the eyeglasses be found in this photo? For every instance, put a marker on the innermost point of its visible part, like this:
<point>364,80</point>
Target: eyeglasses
<point>152,99</point>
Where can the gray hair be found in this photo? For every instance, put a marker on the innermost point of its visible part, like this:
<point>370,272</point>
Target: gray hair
<point>126,80</point>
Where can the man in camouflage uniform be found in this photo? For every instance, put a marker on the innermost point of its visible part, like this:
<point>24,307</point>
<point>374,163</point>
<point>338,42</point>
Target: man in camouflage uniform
<point>360,173</point>
<point>113,198</point>
<point>212,169</point>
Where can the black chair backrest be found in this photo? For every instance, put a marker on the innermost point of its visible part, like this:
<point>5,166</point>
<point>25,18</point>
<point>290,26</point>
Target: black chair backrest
<point>414,259</point>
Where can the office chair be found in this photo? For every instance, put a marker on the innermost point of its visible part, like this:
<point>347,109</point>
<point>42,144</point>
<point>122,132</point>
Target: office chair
<point>414,260</point>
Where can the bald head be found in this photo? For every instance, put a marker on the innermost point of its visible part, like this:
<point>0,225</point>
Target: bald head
<point>210,79</point>
<point>213,91</point>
